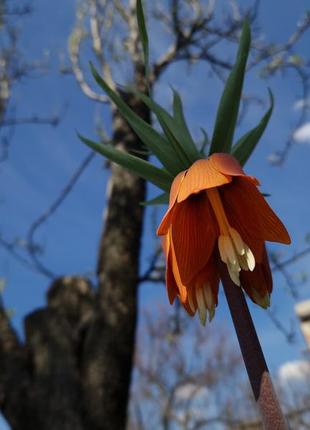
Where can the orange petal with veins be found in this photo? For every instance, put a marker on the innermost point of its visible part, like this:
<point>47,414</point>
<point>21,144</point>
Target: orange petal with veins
<point>174,190</point>
<point>249,207</point>
<point>194,232</point>
<point>171,284</point>
<point>258,284</point>
<point>201,176</point>
<point>172,287</point>
<point>209,274</point>
<point>228,165</point>
<point>174,283</point>
<point>175,186</point>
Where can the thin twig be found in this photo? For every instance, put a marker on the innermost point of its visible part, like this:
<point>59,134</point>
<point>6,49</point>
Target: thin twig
<point>54,121</point>
<point>11,249</point>
<point>50,211</point>
<point>291,260</point>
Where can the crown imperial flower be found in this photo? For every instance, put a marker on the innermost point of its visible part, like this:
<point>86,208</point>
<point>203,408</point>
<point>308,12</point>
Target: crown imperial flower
<point>216,213</point>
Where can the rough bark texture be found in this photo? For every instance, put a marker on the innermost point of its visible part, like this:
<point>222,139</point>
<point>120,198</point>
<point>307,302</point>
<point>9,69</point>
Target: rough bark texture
<point>40,381</point>
<point>73,370</point>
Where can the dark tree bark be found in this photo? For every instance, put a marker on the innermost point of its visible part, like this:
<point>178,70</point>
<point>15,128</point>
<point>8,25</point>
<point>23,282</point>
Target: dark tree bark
<point>40,381</point>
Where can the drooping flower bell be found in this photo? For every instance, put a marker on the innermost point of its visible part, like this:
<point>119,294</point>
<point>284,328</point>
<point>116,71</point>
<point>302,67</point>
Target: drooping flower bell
<point>216,212</point>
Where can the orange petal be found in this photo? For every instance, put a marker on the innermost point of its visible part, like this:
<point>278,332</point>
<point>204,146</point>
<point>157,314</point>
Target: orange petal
<point>173,281</point>
<point>209,274</point>
<point>228,165</point>
<point>249,207</point>
<point>172,287</point>
<point>175,186</point>
<point>182,290</point>
<point>200,176</point>
<point>165,245</point>
<point>258,284</point>
<point>194,232</point>
<point>246,232</point>
<point>188,308</point>
<point>166,221</point>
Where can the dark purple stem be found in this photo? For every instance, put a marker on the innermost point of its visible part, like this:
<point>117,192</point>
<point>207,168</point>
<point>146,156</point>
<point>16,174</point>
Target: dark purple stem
<point>255,363</point>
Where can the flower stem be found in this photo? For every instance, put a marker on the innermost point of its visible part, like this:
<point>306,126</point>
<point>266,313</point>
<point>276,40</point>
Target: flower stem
<point>254,360</point>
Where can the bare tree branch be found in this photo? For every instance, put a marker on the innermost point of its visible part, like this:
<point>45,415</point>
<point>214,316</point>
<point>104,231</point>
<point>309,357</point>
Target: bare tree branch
<point>11,248</point>
<point>279,157</point>
<point>35,119</point>
<point>76,39</point>
<point>291,260</point>
<point>49,212</point>
<point>15,11</point>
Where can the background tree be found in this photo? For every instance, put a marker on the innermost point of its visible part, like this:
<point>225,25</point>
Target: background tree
<point>79,348</point>
<point>189,377</point>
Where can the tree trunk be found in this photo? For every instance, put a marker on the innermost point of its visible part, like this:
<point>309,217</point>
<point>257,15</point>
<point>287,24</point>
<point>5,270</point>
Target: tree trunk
<point>74,369</point>
<point>40,382</point>
<point>109,345</point>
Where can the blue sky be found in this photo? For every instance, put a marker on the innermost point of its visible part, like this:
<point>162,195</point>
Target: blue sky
<point>42,158</point>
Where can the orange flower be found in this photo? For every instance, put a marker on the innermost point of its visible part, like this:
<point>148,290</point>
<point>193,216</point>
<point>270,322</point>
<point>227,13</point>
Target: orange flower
<point>217,213</point>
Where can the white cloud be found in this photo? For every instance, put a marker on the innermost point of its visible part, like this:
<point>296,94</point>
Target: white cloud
<point>294,371</point>
<point>302,134</point>
<point>301,104</point>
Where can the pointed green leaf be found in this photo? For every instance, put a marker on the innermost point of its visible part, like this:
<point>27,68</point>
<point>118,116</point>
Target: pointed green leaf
<point>186,153</point>
<point>227,113</point>
<point>151,138</point>
<point>143,34</point>
<point>162,199</point>
<point>146,170</point>
<point>166,122</point>
<point>182,129</point>
<point>243,149</point>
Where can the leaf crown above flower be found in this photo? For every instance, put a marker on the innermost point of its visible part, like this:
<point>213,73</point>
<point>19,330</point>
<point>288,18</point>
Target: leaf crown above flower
<point>174,147</point>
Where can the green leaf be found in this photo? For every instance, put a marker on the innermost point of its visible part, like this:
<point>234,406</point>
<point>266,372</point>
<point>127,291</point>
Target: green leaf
<point>205,141</point>
<point>146,170</point>
<point>182,129</point>
<point>166,122</point>
<point>227,112</point>
<point>162,199</point>
<point>143,34</point>
<point>156,143</point>
<point>243,149</point>
<point>172,129</point>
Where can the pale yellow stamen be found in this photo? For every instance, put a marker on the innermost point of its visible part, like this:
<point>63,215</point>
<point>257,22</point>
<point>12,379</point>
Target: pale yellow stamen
<point>202,311</point>
<point>234,252</point>
<point>238,242</point>
<point>205,301</point>
<point>233,271</point>
<point>209,300</point>
<point>191,301</point>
